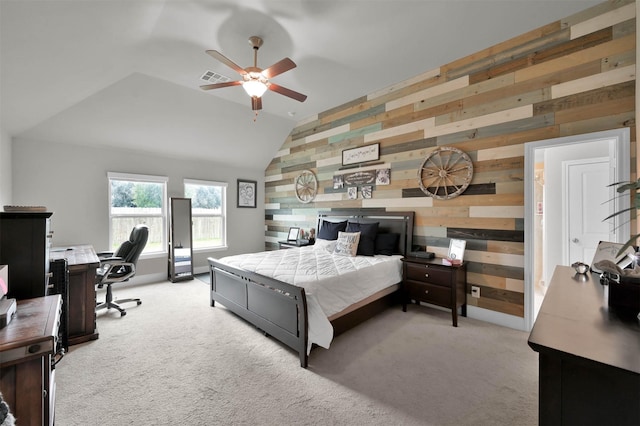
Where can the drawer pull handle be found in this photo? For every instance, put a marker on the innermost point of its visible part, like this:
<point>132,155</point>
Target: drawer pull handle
<point>426,275</point>
<point>426,292</point>
<point>34,349</point>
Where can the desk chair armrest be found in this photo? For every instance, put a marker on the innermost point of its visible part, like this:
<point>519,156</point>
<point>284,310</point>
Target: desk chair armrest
<point>102,254</point>
<point>111,265</point>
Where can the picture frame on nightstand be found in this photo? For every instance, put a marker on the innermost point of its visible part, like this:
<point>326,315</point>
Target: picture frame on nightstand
<point>294,232</point>
<point>456,250</point>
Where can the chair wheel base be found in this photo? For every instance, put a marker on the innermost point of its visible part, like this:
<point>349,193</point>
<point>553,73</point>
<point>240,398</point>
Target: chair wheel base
<point>115,304</point>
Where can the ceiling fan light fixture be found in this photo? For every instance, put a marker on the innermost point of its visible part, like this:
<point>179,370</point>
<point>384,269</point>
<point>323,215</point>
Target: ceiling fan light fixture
<point>255,87</point>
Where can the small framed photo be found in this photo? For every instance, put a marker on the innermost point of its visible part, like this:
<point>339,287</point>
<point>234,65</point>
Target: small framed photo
<point>352,192</point>
<point>456,250</point>
<point>366,191</point>
<point>383,176</point>
<point>247,193</point>
<point>294,232</point>
<point>338,182</point>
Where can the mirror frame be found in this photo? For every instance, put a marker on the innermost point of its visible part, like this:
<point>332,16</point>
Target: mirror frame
<point>182,272</point>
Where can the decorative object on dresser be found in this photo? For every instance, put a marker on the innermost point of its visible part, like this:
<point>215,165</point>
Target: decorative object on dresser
<point>433,281</point>
<point>455,255</point>
<point>445,173</point>
<point>285,311</point>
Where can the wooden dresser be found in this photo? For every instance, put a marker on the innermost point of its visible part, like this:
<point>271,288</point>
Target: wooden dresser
<point>432,281</point>
<point>27,354</point>
<point>589,355</point>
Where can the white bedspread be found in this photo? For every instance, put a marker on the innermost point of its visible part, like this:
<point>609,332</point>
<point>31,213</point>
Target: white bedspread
<point>331,282</point>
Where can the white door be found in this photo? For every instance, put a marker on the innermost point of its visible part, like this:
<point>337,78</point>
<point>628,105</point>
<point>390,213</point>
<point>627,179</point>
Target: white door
<point>589,201</point>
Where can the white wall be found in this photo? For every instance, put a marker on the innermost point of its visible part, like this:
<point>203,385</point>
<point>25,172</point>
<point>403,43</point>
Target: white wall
<point>5,168</point>
<point>72,182</point>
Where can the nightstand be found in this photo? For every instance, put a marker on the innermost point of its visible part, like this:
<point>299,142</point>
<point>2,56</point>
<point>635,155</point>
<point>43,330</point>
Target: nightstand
<point>431,281</point>
<point>291,244</point>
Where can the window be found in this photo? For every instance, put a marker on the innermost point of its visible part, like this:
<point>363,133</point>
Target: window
<point>135,199</point>
<point>209,212</point>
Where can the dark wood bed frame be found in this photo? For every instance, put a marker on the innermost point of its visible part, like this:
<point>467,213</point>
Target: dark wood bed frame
<point>279,309</point>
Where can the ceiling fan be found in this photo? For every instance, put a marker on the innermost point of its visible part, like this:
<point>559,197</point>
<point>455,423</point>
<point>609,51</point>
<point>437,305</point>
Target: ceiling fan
<point>255,81</point>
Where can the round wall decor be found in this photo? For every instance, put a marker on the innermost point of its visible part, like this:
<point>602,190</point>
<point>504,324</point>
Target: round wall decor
<point>306,186</point>
<point>445,173</point>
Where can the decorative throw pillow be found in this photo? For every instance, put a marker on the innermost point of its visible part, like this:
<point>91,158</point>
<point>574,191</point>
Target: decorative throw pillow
<point>368,232</point>
<point>329,230</point>
<point>387,244</point>
<point>326,245</point>
<point>347,243</point>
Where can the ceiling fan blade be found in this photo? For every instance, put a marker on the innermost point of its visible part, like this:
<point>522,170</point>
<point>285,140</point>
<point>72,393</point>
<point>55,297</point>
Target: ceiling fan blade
<point>256,103</point>
<point>228,62</point>
<point>287,92</point>
<point>278,68</point>
<point>220,85</point>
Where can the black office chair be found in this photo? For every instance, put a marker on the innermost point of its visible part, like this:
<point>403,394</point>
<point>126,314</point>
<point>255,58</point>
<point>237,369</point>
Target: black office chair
<point>120,266</point>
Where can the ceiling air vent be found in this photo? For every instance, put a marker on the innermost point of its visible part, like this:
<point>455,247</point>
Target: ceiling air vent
<point>214,77</point>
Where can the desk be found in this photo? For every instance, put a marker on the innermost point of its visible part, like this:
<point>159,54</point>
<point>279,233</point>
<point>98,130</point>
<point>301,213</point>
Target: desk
<point>82,262</point>
<point>589,356</point>
<point>27,351</point>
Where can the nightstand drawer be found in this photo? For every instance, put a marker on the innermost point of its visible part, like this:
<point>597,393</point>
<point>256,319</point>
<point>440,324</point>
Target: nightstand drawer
<point>428,273</point>
<point>429,293</point>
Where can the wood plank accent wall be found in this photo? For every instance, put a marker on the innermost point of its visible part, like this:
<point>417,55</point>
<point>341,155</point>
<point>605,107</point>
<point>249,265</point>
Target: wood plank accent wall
<point>573,76</point>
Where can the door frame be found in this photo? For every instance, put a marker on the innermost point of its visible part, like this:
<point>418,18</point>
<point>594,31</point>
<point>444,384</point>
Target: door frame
<point>619,154</point>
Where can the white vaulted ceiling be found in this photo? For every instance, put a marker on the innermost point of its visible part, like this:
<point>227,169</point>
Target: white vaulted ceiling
<point>126,73</point>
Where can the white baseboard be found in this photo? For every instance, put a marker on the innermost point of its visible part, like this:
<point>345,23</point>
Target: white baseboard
<point>201,269</point>
<point>498,318</point>
<point>149,278</point>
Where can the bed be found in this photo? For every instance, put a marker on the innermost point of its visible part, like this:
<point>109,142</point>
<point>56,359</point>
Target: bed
<point>275,292</point>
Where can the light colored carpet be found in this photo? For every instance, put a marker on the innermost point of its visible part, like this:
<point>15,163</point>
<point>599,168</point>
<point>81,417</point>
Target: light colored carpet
<point>175,360</point>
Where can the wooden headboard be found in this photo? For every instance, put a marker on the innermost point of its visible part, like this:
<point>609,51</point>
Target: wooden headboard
<point>389,222</point>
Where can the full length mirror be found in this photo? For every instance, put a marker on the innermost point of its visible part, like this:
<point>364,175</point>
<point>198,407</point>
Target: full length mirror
<point>180,245</point>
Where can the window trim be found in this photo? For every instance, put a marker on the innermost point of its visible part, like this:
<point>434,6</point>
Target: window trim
<point>142,178</point>
<point>223,185</point>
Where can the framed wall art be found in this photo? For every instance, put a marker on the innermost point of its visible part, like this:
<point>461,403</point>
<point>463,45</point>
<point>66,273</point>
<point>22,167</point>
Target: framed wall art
<point>247,193</point>
<point>361,154</point>
<point>352,192</point>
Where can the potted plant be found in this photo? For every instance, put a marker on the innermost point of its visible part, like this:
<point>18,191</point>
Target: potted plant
<point>635,206</point>
<point>625,292</point>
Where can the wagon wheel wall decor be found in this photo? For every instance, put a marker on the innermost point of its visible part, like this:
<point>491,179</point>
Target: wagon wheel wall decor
<point>445,173</point>
<point>306,186</point>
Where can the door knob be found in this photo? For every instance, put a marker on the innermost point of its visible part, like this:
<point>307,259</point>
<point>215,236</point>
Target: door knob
<point>575,240</point>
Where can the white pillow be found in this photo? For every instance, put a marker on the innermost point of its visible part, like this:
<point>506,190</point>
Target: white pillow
<point>347,243</point>
<point>327,245</point>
